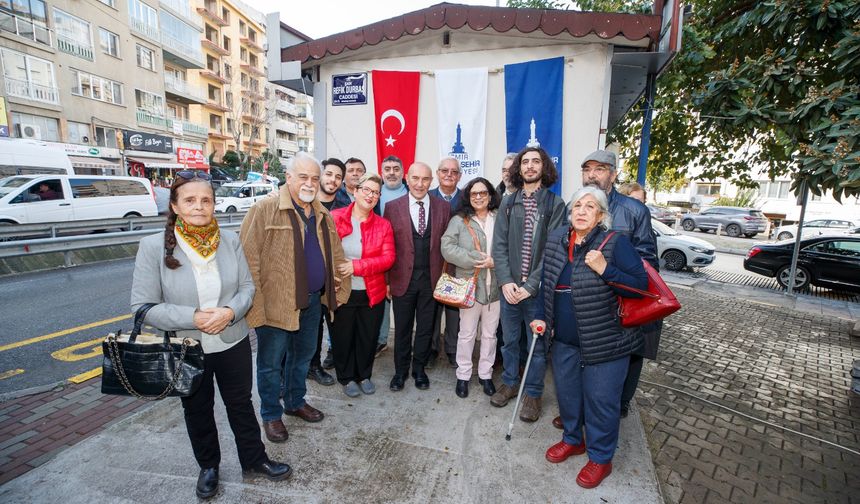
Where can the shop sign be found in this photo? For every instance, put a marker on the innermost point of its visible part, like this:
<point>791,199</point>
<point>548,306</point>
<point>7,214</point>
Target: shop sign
<point>88,150</point>
<point>192,158</point>
<point>140,141</point>
<point>349,89</point>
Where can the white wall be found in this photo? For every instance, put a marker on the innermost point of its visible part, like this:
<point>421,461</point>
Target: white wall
<point>350,129</point>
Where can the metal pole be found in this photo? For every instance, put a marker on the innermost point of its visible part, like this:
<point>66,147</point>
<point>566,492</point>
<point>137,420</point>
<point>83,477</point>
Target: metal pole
<point>803,196</point>
<point>645,143</point>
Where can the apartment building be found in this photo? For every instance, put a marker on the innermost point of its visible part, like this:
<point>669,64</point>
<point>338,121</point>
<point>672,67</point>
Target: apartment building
<point>236,110</point>
<point>106,79</point>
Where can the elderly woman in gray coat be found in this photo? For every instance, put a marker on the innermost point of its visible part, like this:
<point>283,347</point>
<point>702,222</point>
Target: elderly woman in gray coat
<point>198,278</point>
<point>473,222</point>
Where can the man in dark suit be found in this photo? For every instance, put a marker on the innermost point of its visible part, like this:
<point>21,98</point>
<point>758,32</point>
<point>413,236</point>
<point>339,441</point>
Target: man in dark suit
<point>418,220</point>
<point>449,175</point>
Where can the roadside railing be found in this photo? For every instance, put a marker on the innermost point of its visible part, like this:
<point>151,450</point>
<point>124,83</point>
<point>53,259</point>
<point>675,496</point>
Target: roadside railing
<point>20,240</point>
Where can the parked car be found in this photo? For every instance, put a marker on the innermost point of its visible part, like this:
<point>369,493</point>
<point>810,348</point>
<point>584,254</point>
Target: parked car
<point>825,261</point>
<point>663,215</point>
<point>735,221</point>
<point>32,199</point>
<point>240,196</point>
<point>816,227</point>
<point>677,251</point>
<point>220,175</point>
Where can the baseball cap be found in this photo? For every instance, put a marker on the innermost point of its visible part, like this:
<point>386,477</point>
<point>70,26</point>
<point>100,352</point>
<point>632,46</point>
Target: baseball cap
<point>602,157</point>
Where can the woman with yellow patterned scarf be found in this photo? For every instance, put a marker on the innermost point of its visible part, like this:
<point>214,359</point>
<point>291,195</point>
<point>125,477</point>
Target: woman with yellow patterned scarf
<point>199,278</point>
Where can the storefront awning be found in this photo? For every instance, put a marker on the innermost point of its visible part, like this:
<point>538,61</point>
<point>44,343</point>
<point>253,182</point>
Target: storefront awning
<point>95,163</point>
<point>153,163</point>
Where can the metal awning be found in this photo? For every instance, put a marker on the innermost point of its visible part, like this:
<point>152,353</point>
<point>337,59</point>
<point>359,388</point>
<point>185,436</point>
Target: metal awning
<point>95,163</point>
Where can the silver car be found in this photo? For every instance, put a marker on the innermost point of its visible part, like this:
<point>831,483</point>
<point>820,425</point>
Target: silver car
<point>735,221</point>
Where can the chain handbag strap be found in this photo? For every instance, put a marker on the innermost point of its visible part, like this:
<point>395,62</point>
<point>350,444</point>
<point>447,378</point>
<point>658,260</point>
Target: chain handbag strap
<point>475,241</point>
<point>120,371</point>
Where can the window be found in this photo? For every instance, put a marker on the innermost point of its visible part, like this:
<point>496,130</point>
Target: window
<point>228,98</point>
<point>242,27</point>
<point>49,189</point>
<point>36,127</point>
<point>29,77</point>
<point>228,72</point>
<point>150,102</point>
<point>214,94</point>
<point>243,79</point>
<point>252,35</point>
<point>212,34</point>
<point>106,137</point>
<point>178,35</point>
<point>226,44</point>
<point>176,111</point>
<point>215,122</point>
<point>252,60</point>
<point>126,188</point>
<point>96,88</point>
<point>109,3</point>
<point>230,125</point>
<point>212,63</point>
<point>143,18</point>
<point>32,20</point>
<point>145,58</point>
<point>243,54</point>
<point>73,35</point>
<point>708,189</point>
<point>89,188</point>
<point>109,42</point>
<point>79,133</point>
<point>225,14</point>
<point>838,248</point>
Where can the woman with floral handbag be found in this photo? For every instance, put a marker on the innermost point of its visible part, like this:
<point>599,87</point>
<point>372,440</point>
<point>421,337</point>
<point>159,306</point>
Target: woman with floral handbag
<point>466,244</point>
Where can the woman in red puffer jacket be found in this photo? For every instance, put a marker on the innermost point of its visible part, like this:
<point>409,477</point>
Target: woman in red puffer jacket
<point>368,244</point>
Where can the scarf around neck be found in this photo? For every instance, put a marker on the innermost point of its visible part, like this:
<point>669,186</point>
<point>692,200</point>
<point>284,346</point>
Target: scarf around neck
<point>203,239</point>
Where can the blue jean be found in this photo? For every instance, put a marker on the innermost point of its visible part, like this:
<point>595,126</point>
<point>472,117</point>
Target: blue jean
<point>512,318</point>
<point>291,349</point>
<point>589,394</point>
<point>386,324</point>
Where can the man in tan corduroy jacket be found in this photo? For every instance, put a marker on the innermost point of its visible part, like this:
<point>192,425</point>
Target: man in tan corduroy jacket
<point>293,250</point>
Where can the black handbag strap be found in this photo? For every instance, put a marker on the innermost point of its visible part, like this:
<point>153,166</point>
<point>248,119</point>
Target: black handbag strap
<point>139,316</point>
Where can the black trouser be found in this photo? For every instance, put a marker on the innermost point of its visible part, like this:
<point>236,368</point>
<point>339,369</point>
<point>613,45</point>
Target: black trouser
<point>353,337</point>
<point>233,369</point>
<point>326,318</point>
<point>417,300</point>
<point>632,380</point>
<point>452,329</point>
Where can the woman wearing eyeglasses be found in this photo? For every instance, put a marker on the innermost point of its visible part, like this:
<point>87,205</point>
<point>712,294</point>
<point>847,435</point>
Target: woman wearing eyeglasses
<point>198,275</point>
<point>467,245</point>
<point>368,244</point>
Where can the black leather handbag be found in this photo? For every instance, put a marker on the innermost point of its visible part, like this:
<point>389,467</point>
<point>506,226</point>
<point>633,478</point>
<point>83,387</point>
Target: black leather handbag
<point>150,367</point>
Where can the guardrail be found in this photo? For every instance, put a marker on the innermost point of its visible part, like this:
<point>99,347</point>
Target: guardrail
<point>12,247</point>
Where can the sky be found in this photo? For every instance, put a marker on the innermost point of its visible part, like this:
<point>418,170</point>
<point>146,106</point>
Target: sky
<point>319,18</point>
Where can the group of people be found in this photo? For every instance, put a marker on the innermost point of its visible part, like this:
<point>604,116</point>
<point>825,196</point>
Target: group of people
<point>341,248</point>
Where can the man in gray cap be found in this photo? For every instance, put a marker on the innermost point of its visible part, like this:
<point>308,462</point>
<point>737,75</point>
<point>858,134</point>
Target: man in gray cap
<point>633,219</point>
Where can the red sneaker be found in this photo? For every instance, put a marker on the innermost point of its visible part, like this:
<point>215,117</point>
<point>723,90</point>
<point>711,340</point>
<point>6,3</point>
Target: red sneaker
<point>593,473</point>
<point>561,451</point>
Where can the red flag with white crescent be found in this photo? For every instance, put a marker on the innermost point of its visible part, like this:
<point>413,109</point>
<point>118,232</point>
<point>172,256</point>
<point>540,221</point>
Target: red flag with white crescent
<point>395,105</point>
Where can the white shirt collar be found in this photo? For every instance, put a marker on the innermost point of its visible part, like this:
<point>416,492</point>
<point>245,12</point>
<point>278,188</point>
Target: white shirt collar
<point>425,199</point>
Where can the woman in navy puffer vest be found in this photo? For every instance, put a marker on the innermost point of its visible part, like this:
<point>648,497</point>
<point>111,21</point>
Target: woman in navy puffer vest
<point>590,348</point>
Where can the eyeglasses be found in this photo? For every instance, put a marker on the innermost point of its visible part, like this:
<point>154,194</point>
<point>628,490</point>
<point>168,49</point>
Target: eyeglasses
<point>448,171</point>
<point>190,174</point>
<point>599,170</point>
<point>369,192</point>
<point>479,194</point>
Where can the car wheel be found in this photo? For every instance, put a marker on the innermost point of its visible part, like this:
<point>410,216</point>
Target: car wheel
<point>688,225</point>
<point>801,277</point>
<point>674,260</point>
<point>231,209</point>
<point>733,230</point>
<point>750,235</point>
<point>785,235</point>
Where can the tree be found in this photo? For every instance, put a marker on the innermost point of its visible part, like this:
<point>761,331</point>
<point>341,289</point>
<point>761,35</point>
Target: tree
<point>251,108</point>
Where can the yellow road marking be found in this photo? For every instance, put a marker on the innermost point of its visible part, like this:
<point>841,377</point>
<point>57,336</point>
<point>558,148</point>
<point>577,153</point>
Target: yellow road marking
<point>69,354</point>
<point>10,373</point>
<point>64,332</point>
<point>92,373</point>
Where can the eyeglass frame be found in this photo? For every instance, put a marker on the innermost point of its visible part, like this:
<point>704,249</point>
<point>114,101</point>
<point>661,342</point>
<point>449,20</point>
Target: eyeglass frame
<point>192,174</point>
<point>373,192</point>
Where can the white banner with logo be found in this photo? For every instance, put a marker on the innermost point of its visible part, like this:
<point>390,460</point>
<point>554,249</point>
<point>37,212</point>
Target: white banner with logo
<point>461,98</point>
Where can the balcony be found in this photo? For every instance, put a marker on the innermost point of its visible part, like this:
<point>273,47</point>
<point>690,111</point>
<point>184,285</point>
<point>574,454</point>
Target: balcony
<point>215,75</point>
<point>185,128</point>
<point>252,45</point>
<point>253,70</point>
<point>253,94</point>
<point>217,133</point>
<point>284,125</point>
<point>144,117</point>
<point>75,48</point>
<point>210,12</point>
<point>214,105</point>
<point>287,145</point>
<point>214,47</point>
<point>184,10</point>
<point>256,142</point>
<point>32,91</point>
<point>26,28</point>
<point>179,90</point>
<point>180,53</point>
<point>143,28</point>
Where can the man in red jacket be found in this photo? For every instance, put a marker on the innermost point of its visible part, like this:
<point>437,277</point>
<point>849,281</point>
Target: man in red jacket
<point>418,220</point>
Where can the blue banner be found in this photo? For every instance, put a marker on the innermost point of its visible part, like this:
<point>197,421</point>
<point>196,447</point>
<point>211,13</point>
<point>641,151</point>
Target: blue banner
<point>533,108</point>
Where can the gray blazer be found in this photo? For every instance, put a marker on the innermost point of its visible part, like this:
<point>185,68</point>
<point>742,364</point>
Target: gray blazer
<point>459,249</point>
<point>175,291</point>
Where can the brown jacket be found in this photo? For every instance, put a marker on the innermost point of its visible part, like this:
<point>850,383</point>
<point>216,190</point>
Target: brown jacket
<point>267,238</point>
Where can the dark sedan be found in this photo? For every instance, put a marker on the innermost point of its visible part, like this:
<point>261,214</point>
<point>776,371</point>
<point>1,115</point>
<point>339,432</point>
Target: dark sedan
<point>662,214</point>
<point>826,261</point>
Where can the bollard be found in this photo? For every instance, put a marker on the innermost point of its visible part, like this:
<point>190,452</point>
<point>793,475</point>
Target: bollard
<point>719,228</point>
<point>67,259</point>
<point>53,231</point>
<point>677,222</point>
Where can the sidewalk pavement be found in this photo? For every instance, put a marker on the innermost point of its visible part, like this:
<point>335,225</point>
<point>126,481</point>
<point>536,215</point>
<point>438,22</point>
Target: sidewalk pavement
<point>410,446</point>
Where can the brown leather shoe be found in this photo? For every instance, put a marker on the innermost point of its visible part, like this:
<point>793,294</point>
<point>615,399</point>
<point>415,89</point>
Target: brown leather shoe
<point>276,431</point>
<point>307,413</point>
<point>530,411</point>
<point>503,395</point>
<point>556,422</point>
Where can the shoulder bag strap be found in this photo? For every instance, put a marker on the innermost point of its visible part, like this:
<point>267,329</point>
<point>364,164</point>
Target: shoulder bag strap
<point>475,241</point>
<point>622,286</point>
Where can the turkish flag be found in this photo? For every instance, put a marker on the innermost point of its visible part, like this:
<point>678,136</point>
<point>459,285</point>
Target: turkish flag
<point>395,105</point>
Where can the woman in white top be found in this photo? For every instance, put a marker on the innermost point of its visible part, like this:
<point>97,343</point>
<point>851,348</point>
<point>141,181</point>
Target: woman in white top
<point>473,222</point>
<point>199,278</point>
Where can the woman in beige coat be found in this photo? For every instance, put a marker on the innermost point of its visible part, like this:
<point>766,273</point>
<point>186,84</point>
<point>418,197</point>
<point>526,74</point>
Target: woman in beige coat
<point>473,222</point>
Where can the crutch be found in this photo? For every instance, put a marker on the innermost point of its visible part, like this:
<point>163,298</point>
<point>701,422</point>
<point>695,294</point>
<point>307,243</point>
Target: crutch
<point>536,332</point>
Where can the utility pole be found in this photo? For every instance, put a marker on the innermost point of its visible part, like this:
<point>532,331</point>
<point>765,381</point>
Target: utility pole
<point>802,198</point>
<point>645,142</point>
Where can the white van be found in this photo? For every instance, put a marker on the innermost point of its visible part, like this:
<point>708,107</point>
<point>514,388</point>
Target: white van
<point>31,199</point>
<point>31,157</point>
<point>240,196</point>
